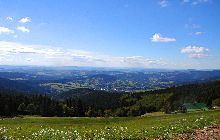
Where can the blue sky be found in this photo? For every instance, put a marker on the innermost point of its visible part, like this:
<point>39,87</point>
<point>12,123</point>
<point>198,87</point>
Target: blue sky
<point>111,33</point>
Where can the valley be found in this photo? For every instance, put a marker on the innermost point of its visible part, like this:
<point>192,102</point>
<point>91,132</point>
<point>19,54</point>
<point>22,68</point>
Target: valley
<point>54,80</point>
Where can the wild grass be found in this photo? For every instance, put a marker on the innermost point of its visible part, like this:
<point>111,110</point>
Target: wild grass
<point>150,126</point>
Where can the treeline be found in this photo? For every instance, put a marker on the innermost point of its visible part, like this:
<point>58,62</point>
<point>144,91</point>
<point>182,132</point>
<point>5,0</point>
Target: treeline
<point>139,104</point>
<point>18,104</point>
<point>13,103</point>
<point>91,103</point>
<point>135,104</point>
<point>170,99</point>
<point>208,93</point>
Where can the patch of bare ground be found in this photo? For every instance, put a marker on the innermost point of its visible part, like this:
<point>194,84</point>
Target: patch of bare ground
<point>206,133</point>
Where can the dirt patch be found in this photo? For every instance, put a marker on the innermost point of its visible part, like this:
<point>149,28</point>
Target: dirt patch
<point>207,133</point>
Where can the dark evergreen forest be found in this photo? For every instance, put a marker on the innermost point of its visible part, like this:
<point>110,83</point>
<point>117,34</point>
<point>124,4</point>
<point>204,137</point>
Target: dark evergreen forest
<point>93,103</point>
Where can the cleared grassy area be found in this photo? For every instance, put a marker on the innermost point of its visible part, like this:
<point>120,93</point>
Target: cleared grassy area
<point>150,126</point>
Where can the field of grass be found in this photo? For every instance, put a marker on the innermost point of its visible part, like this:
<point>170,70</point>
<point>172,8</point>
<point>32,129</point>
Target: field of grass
<point>156,125</point>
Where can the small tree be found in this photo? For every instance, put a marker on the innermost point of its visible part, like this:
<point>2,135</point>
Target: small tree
<point>121,112</point>
<point>6,110</point>
<point>68,111</point>
<point>31,109</point>
<point>133,111</point>
<point>59,109</point>
<point>90,112</point>
<point>108,112</point>
<point>22,109</point>
<point>216,102</point>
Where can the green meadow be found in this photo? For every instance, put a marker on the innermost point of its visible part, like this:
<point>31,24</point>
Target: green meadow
<point>150,126</point>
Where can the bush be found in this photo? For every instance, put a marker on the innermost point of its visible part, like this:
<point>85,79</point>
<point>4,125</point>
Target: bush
<point>216,102</point>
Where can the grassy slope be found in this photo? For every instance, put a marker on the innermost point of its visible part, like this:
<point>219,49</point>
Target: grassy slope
<point>27,125</point>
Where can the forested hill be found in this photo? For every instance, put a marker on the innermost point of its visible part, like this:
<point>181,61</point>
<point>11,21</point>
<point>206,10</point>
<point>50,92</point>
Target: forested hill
<point>203,93</point>
<point>95,98</point>
<point>134,103</point>
<point>87,102</point>
<point>20,86</point>
<point>171,99</point>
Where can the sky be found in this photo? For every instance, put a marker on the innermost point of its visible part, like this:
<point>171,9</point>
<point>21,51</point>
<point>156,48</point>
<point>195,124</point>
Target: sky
<point>174,34</point>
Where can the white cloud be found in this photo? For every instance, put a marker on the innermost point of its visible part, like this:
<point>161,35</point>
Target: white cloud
<point>163,3</point>
<point>23,29</point>
<point>199,33</point>
<point>16,53</point>
<point>4,30</point>
<point>198,55</point>
<point>25,20</point>
<point>194,49</point>
<point>28,59</point>
<point>195,52</point>
<point>158,38</point>
<point>138,61</point>
<point>196,2</point>
<point>10,19</point>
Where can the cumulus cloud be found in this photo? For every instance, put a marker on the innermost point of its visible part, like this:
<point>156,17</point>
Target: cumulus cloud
<point>195,52</point>
<point>158,38</point>
<point>10,19</point>
<point>23,29</point>
<point>21,54</point>
<point>163,3</point>
<point>25,20</point>
<point>4,30</point>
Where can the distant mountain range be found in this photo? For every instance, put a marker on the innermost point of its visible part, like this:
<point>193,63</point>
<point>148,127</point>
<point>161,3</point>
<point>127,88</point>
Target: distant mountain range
<point>55,80</point>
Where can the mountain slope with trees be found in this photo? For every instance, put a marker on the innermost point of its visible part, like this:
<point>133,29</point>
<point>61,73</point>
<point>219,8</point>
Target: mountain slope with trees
<point>21,86</point>
<point>87,102</point>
